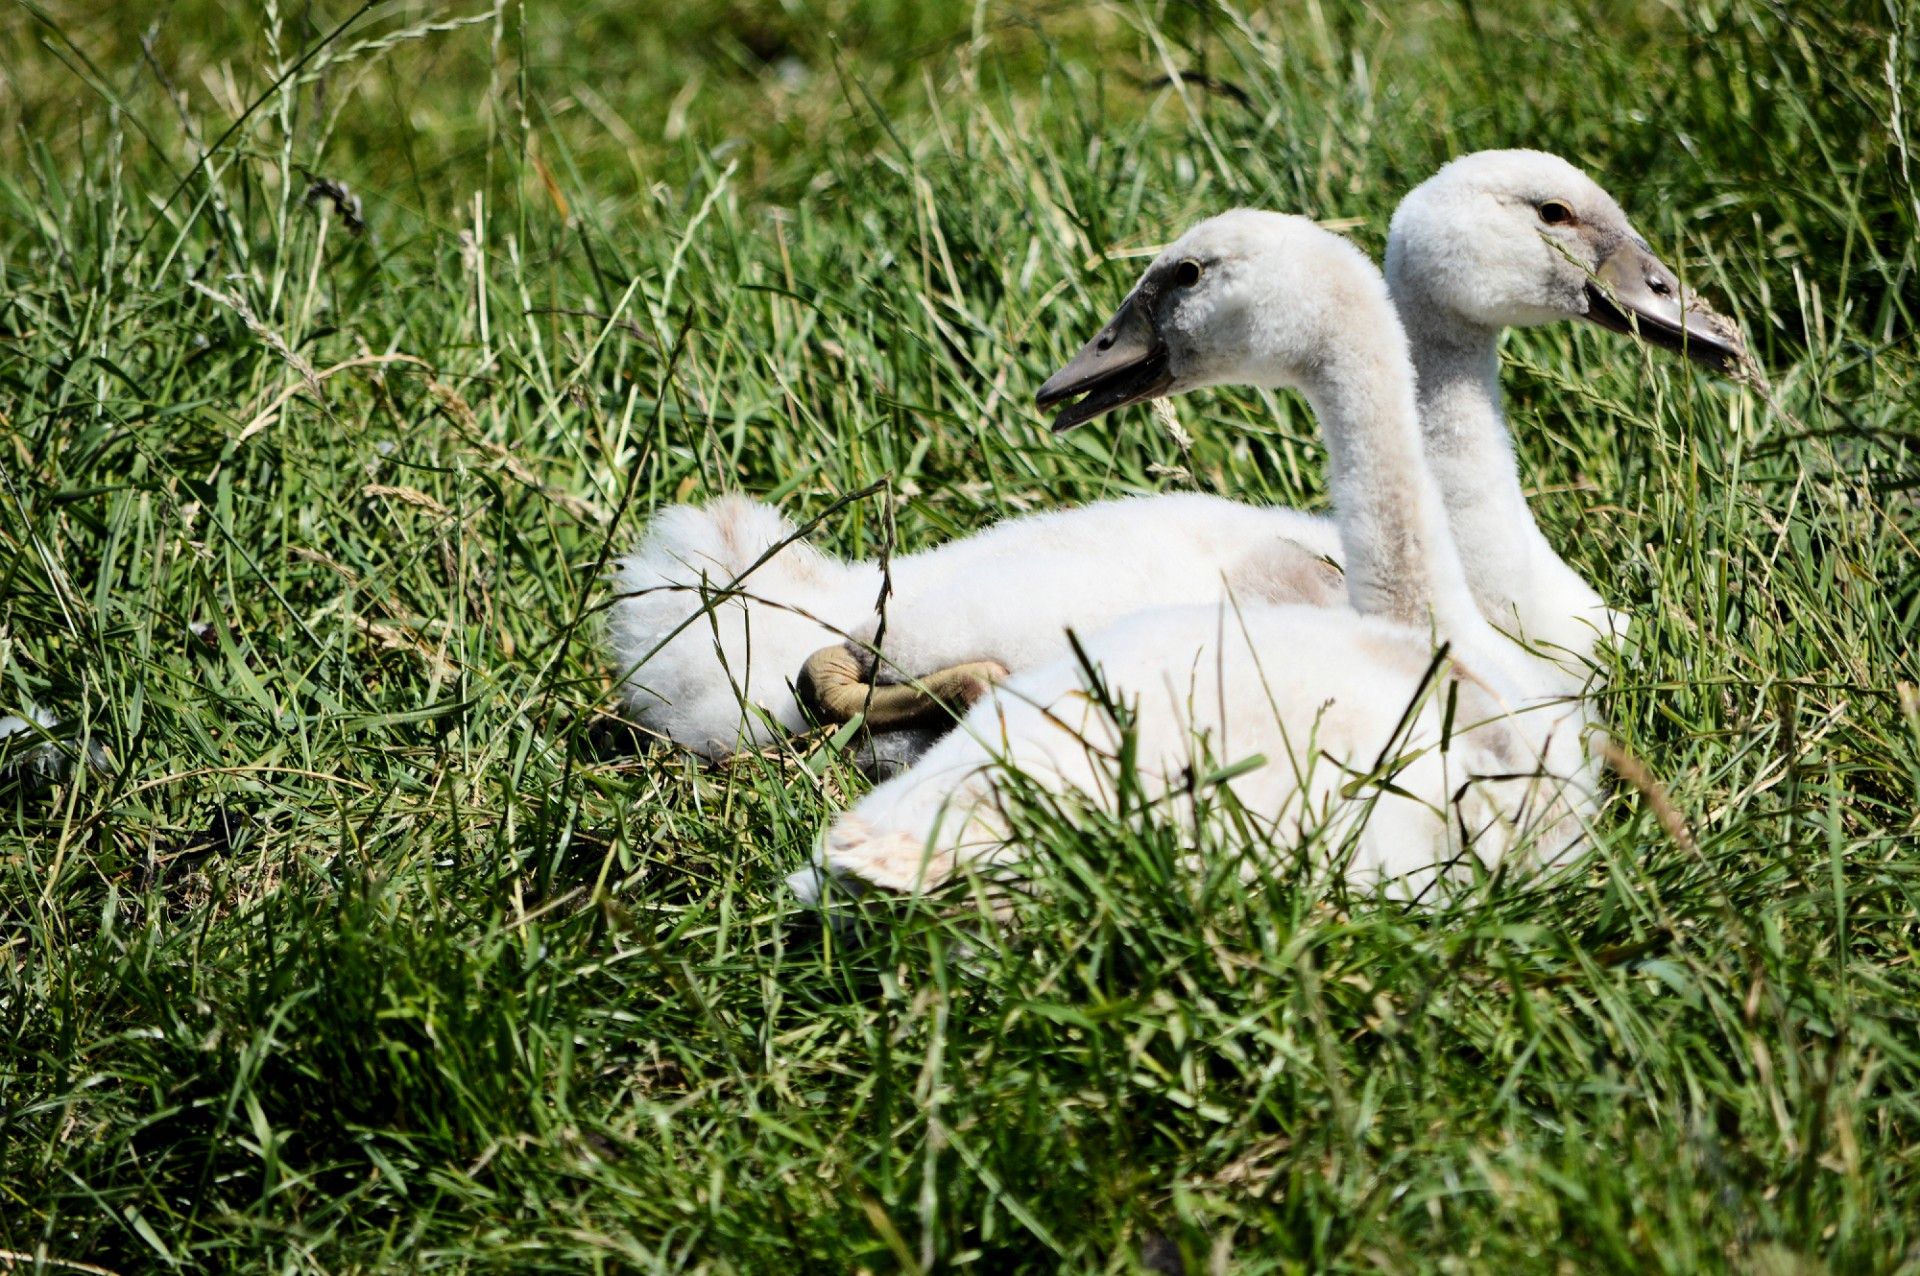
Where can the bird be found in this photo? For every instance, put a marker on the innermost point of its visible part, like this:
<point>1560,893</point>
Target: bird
<point>1494,239</point>
<point>1517,238</point>
<point>729,630</point>
<point>1520,238</point>
<point>1402,728</point>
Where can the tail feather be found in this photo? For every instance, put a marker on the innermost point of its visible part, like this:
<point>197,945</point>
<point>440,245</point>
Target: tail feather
<point>717,609</point>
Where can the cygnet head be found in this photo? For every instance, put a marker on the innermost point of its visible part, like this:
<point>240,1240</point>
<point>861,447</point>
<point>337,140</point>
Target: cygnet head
<point>1516,238</point>
<point>1245,298</point>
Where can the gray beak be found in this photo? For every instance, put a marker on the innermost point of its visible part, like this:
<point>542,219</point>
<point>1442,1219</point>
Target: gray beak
<point>1126,363</point>
<point>1633,292</point>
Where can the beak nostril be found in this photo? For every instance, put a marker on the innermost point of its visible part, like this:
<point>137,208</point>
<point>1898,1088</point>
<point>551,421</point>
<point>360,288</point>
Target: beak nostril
<point>1105,343</point>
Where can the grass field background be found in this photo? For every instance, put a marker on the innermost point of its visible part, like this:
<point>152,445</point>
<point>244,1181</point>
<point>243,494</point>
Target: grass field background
<point>377,945</point>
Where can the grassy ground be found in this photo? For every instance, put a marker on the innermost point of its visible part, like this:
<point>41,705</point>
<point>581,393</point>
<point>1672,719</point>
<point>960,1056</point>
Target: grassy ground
<point>376,946</point>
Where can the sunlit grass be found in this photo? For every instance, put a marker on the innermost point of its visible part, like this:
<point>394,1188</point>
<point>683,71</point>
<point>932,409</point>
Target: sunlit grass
<point>377,945</point>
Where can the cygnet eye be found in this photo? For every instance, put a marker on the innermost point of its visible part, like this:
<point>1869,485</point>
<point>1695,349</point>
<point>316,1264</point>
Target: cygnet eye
<point>1555,212</point>
<point>1186,274</point>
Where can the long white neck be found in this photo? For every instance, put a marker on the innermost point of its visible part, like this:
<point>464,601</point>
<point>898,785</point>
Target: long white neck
<point>1518,582</point>
<point>1470,455</point>
<point>1401,561</point>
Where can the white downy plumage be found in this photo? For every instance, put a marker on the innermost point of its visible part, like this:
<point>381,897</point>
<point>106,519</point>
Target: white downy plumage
<point>1482,757</point>
<point>1519,238</point>
<point>1007,594</point>
<point>1470,252</point>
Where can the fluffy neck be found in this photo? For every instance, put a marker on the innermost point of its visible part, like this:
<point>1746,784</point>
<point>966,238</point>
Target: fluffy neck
<point>1401,562</point>
<point>1470,455</point>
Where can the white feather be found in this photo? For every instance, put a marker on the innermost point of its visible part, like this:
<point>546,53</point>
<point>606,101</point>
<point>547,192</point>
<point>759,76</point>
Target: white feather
<point>1009,594</point>
<point>1465,257</point>
<point>1319,694</point>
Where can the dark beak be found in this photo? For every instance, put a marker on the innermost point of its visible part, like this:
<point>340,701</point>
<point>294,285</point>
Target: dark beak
<point>1634,293</point>
<point>1126,363</point>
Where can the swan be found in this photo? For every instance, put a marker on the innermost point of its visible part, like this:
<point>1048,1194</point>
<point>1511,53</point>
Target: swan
<point>719,608</point>
<point>1518,238</point>
<point>1366,737</point>
<point>1494,239</point>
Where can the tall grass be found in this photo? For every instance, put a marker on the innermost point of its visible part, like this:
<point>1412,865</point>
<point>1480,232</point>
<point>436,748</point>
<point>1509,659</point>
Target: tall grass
<point>377,944</point>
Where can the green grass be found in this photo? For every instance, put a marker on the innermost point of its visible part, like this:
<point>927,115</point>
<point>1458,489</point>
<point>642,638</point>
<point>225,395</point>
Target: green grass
<point>378,947</point>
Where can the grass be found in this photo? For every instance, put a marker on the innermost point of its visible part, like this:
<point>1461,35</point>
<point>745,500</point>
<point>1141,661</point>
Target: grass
<point>378,946</point>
